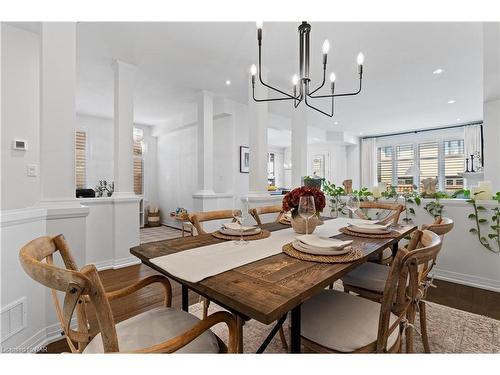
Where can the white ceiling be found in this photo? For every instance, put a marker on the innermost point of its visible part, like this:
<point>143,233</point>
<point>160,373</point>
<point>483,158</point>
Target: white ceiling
<point>175,60</point>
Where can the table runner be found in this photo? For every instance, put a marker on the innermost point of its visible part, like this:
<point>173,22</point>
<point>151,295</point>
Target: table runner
<point>199,263</point>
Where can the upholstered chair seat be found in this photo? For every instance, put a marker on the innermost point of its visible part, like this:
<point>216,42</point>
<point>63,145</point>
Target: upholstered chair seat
<point>343,322</point>
<point>155,326</point>
<point>371,276</point>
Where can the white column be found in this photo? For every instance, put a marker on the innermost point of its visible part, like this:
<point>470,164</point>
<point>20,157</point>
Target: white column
<point>124,128</point>
<point>299,144</point>
<point>491,104</point>
<point>57,110</point>
<point>257,125</point>
<point>205,144</point>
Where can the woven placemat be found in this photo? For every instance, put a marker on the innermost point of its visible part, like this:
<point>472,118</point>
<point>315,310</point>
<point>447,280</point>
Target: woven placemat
<point>351,256</point>
<point>392,234</point>
<point>259,236</point>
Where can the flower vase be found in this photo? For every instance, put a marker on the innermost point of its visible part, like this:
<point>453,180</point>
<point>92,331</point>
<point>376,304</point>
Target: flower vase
<point>299,224</point>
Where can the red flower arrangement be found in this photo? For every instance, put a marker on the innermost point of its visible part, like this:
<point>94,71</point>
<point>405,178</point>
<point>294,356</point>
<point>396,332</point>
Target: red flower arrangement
<point>291,199</point>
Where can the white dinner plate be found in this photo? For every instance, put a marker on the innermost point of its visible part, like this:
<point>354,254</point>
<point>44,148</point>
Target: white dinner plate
<point>232,232</point>
<point>369,229</point>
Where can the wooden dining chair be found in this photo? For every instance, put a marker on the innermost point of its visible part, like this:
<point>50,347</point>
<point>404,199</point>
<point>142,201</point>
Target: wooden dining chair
<point>198,217</point>
<point>160,330</point>
<point>257,211</point>
<point>393,210</point>
<point>368,279</point>
<point>333,321</point>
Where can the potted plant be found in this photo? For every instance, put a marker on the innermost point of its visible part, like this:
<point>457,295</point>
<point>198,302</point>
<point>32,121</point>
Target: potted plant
<point>291,203</point>
<point>334,193</point>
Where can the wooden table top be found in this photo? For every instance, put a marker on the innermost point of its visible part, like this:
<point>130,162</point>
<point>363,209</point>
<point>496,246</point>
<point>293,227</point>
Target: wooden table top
<point>267,289</point>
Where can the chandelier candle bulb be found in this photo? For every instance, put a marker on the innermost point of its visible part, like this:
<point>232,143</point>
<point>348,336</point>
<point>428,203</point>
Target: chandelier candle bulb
<point>326,48</point>
<point>295,79</point>
<point>259,30</point>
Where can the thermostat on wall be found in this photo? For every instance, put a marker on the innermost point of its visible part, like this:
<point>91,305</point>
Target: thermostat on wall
<point>19,144</point>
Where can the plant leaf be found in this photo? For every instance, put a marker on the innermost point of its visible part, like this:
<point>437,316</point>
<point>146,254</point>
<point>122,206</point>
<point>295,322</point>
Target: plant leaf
<point>473,230</point>
<point>472,216</point>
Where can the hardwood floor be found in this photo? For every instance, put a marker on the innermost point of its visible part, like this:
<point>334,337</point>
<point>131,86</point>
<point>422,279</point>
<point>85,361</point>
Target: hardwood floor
<point>478,301</point>
<point>467,298</point>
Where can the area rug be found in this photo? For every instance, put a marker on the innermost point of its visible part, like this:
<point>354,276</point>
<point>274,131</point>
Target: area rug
<point>450,331</point>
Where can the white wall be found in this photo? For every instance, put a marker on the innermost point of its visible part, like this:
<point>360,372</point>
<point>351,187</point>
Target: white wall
<point>335,160</point>
<point>100,138</point>
<point>20,87</point>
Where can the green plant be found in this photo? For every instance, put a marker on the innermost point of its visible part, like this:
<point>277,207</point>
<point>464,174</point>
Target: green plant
<point>481,221</point>
<point>410,197</point>
<point>391,193</point>
<point>334,193</point>
<point>362,193</point>
<point>435,208</point>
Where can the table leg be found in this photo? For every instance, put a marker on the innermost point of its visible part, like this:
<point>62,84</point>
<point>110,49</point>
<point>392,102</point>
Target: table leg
<point>295,330</point>
<point>395,247</point>
<point>185,298</point>
<point>239,326</point>
<point>271,335</point>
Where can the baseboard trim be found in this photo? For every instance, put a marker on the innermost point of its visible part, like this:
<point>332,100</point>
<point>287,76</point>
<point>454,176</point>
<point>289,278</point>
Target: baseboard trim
<point>41,339</point>
<point>469,280</point>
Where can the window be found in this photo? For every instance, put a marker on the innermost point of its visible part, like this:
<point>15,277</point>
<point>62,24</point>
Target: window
<point>454,164</point>
<point>80,159</point>
<point>384,170</point>
<point>428,161</point>
<point>138,152</point>
<point>405,165</point>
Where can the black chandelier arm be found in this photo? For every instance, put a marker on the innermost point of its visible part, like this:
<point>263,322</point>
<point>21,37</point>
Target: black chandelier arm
<point>343,94</point>
<point>319,110</point>
<point>265,84</point>
<point>270,99</point>
<point>322,83</point>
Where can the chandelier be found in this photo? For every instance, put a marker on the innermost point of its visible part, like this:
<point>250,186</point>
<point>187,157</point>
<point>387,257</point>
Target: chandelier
<point>301,82</point>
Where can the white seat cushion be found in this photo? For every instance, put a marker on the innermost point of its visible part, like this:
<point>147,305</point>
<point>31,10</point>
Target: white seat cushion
<point>371,276</point>
<point>154,327</point>
<point>342,322</point>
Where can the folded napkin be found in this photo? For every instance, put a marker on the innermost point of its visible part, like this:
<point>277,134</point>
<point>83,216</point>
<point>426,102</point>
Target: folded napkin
<point>311,240</point>
<point>238,227</point>
<point>369,228</point>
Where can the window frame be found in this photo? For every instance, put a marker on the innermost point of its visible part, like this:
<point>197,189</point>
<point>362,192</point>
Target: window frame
<point>439,136</point>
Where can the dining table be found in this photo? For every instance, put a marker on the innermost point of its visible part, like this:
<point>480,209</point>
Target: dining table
<point>269,289</point>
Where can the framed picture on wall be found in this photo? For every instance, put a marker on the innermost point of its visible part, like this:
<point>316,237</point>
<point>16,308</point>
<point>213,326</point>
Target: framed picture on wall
<point>244,159</point>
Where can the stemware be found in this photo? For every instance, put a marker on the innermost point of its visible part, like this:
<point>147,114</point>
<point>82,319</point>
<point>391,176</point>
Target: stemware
<point>307,209</point>
<point>353,204</point>
<point>239,217</point>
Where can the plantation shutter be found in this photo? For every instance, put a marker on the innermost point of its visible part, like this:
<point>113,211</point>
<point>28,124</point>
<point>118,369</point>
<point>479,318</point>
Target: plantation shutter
<point>138,161</point>
<point>404,160</point>
<point>384,164</point>
<point>80,159</point>
<point>454,160</point>
<point>429,161</point>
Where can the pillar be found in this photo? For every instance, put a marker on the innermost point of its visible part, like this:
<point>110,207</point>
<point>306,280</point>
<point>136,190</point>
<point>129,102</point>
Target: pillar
<point>299,144</point>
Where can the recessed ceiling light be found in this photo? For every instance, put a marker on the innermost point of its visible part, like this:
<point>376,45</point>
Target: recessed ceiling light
<point>438,71</point>
<point>228,82</point>
<point>451,101</point>
<point>459,119</point>
<point>336,123</point>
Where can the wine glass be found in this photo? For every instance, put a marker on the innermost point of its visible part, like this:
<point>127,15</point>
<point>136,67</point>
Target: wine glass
<point>307,209</point>
<point>238,217</point>
<point>353,203</point>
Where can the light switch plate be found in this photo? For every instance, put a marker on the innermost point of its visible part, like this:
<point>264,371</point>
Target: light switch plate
<point>32,170</point>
